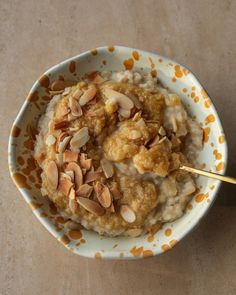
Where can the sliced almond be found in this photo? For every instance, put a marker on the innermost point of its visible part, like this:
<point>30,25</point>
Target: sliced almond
<point>134,134</point>
<point>140,123</point>
<point>174,123</point>
<point>84,190</point>
<point>85,163</point>
<point>72,117</point>
<point>63,144</point>
<point>65,185</point>
<point>76,110</point>
<point>117,195</point>
<point>71,174</point>
<point>107,168</point>
<point>66,91</point>
<point>123,100</point>
<point>104,197</point>
<point>98,79</point>
<point>64,110</point>
<point>50,140</point>
<point>92,176</point>
<point>59,159</point>
<point>162,131</point>
<point>79,139</point>
<point>77,93</point>
<point>111,209</point>
<point>84,171</point>
<point>72,166</point>
<point>51,172</point>
<point>127,213</point>
<point>137,116</point>
<point>97,113</point>
<point>73,205</point>
<point>61,125</point>
<point>61,84</point>
<point>124,113</point>
<point>55,92</point>
<point>70,156</point>
<point>88,95</point>
<point>91,206</point>
<point>155,141</point>
<point>135,100</point>
<point>163,139</point>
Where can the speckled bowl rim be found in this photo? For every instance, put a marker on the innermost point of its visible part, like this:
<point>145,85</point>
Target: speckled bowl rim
<point>112,253</point>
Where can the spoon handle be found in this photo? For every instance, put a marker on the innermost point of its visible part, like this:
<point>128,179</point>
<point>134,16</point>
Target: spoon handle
<point>209,174</point>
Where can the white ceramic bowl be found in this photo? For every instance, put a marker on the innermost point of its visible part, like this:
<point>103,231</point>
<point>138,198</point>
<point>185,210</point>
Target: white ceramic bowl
<point>27,176</point>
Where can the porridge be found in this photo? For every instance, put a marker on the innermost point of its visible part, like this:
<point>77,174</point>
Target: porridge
<point>110,147</point>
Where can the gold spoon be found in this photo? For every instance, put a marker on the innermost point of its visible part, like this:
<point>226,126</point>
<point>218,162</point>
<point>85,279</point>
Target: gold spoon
<point>209,174</point>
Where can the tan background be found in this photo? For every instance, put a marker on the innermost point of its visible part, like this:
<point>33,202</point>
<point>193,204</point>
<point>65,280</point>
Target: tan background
<point>35,35</point>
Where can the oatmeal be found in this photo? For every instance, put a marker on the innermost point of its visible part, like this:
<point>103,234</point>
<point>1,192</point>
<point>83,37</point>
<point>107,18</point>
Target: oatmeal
<point>110,147</point>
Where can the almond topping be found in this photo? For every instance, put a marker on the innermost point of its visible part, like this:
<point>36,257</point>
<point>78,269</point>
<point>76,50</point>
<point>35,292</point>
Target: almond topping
<point>59,159</point>
<point>91,206</point>
<point>63,144</point>
<point>107,168</point>
<point>85,190</point>
<point>65,185</point>
<point>85,163</point>
<point>66,91</point>
<point>50,140</point>
<point>98,79</point>
<point>135,100</point>
<point>134,134</point>
<point>155,141</point>
<point>76,110</point>
<point>104,197</point>
<point>124,113</point>
<point>162,131</point>
<point>73,205</point>
<point>92,176</point>
<point>117,195</point>
<point>77,94</point>
<point>51,172</point>
<point>79,139</point>
<point>123,100</point>
<point>61,85</point>
<point>69,156</point>
<point>111,209</point>
<point>61,125</point>
<point>72,166</point>
<point>88,95</point>
<point>127,213</point>
<point>71,174</point>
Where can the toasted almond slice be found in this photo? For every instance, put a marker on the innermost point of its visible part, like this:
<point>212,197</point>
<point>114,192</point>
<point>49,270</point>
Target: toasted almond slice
<point>85,163</point>
<point>72,118</point>
<point>117,195</point>
<point>69,156</point>
<point>124,113</point>
<point>127,213</point>
<point>104,197</point>
<point>51,172</point>
<point>79,139</point>
<point>71,174</point>
<point>84,190</point>
<point>111,209</point>
<point>63,144</point>
<point>155,141</point>
<point>61,125</point>
<point>76,110</point>
<point>140,123</point>
<point>162,131</point>
<point>65,185</point>
<point>91,206</point>
<point>50,140</point>
<point>174,123</point>
<point>163,139</point>
<point>88,95</point>
<point>135,100</point>
<point>72,166</point>
<point>123,100</point>
<point>72,194</point>
<point>107,168</point>
<point>73,205</point>
<point>55,92</point>
<point>66,91</point>
<point>137,116</point>
<point>64,110</point>
<point>84,171</point>
<point>77,93</point>
<point>59,159</point>
<point>92,176</point>
<point>98,79</point>
<point>97,113</point>
<point>98,188</point>
<point>134,134</point>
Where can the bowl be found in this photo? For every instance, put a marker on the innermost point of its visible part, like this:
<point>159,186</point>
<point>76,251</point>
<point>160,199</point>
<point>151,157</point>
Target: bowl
<point>26,174</point>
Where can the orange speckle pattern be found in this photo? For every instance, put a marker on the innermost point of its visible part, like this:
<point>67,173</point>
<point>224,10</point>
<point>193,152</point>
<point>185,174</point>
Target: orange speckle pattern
<point>192,94</point>
<point>94,51</point>
<point>98,255</point>
<point>174,79</point>
<point>193,88</point>
<point>212,144</point>
<point>210,119</point>
<point>206,133</point>
<point>196,99</point>
<point>82,241</point>
<point>121,254</point>
<point>44,81</point>
<point>160,60</point>
<point>136,55</point>
<point>75,234</point>
<point>15,132</point>
<point>20,161</point>
<point>220,166</point>
<point>165,247</point>
<point>212,187</point>
<point>147,253</point>
<point>168,232</point>
<point>218,155</point>
<point>20,180</point>
<point>207,103</point>
<point>154,73</point>
<point>128,63</point>
<point>64,240</point>
<point>221,139</point>
<point>184,90</point>
<point>152,63</point>
<point>178,72</point>
<point>150,239</point>
<point>190,206</point>
<point>136,251</point>
<point>204,94</point>
<point>72,66</point>
<point>200,197</point>
<point>111,48</point>
<point>173,243</point>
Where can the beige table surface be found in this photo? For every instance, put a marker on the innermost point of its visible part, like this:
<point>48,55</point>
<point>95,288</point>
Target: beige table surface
<point>35,35</point>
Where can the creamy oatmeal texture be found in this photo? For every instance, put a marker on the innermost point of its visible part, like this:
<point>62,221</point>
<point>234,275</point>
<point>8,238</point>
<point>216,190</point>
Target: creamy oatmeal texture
<point>110,147</point>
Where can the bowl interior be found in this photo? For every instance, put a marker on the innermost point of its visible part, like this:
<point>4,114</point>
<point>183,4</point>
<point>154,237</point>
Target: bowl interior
<point>178,79</point>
